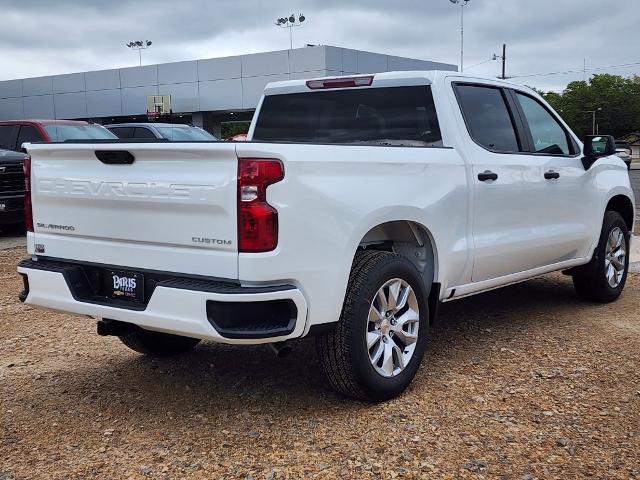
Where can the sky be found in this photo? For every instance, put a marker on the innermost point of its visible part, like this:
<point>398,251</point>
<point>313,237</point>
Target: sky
<point>45,37</point>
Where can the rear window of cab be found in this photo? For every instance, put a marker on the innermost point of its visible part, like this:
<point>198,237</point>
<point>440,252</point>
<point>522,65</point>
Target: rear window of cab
<point>389,116</point>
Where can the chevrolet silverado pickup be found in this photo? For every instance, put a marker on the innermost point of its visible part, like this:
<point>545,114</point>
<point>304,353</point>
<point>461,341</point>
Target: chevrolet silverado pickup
<point>356,206</point>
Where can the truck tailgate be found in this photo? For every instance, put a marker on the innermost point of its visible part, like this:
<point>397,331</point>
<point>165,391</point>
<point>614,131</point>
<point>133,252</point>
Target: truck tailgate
<point>172,209</point>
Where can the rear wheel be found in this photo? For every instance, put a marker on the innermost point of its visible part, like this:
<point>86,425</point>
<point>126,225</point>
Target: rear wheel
<point>603,278</point>
<point>376,348</point>
<point>157,344</point>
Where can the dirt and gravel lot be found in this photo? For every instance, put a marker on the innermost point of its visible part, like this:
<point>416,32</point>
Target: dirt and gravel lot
<point>522,383</point>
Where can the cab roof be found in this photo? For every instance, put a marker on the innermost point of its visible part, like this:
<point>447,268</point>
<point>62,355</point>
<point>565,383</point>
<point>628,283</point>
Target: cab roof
<point>384,79</point>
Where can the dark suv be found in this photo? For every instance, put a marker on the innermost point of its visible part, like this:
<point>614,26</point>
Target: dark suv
<point>11,188</point>
<point>13,133</point>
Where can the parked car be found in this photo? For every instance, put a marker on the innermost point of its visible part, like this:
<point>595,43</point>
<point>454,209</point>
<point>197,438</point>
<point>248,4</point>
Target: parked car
<point>13,133</point>
<point>356,207</point>
<point>623,150</point>
<point>12,188</point>
<point>168,131</point>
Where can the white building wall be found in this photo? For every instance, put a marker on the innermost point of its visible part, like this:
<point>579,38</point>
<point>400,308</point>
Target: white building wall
<point>216,84</point>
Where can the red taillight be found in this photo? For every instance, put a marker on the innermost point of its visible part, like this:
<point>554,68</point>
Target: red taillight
<point>257,220</point>
<point>341,82</point>
<point>28,211</point>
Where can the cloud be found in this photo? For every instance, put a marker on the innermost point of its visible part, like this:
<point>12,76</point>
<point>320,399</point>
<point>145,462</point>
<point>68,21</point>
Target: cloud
<point>43,37</point>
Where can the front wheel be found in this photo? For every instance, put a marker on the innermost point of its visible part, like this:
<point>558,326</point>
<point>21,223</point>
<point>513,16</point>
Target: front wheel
<point>376,348</point>
<point>603,278</point>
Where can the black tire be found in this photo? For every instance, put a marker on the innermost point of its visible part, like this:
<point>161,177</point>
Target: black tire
<point>157,344</point>
<point>590,280</point>
<point>343,352</point>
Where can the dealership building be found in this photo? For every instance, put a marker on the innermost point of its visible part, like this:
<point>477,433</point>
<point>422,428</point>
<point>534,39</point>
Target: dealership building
<point>204,92</point>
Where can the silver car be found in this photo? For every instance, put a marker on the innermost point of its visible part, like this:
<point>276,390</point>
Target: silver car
<point>623,150</point>
<point>168,131</point>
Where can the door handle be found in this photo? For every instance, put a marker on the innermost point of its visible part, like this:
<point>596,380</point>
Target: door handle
<point>551,175</point>
<point>487,175</point>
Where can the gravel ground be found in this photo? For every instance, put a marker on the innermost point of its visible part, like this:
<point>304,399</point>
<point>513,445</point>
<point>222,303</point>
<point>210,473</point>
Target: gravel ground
<point>522,383</point>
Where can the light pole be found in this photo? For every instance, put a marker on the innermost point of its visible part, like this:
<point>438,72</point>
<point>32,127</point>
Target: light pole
<point>462,4</point>
<point>290,22</point>
<point>139,45</point>
<point>593,119</point>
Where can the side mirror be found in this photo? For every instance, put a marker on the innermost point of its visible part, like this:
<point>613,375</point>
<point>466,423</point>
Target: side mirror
<point>596,146</point>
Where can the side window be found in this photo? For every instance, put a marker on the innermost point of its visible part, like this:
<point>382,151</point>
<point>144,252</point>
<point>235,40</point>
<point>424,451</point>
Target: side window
<point>487,117</point>
<point>142,132</point>
<point>5,136</point>
<point>548,135</point>
<point>27,134</point>
<point>122,132</point>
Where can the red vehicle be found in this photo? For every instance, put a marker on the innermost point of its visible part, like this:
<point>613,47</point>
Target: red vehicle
<point>240,137</point>
<point>13,133</point>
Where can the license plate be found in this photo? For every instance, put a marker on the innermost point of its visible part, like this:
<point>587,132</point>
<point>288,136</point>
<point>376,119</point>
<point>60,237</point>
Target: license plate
<point>124,285</point>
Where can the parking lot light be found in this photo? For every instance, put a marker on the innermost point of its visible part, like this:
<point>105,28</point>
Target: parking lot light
<point>593,119</point>
<point>462,4</point>
<point>290,22</point>
<point>139,45</point>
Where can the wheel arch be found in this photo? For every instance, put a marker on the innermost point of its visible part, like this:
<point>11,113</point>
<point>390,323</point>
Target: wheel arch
<point>411,240</point>
<point>624,206</point>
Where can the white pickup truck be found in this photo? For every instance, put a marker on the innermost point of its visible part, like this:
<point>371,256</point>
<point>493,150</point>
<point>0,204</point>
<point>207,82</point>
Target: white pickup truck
<point>357,205</point>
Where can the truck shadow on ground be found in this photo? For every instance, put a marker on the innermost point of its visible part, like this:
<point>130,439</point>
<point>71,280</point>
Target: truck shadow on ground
<point>12,236</point>
<point>251,379</point>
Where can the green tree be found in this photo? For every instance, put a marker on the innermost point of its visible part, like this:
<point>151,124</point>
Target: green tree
<point>618,97</point>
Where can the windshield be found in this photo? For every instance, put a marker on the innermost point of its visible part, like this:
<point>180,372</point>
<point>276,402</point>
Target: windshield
<point>185,133</point>
<point>395,116</point>
<point>62,132</point>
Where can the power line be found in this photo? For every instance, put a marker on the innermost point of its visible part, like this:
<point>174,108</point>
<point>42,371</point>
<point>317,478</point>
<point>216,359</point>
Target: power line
<point>566,72</point>
<point>495,57</point>
<point>481,63</point>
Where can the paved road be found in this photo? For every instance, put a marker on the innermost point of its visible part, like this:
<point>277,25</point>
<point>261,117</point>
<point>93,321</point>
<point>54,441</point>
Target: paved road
<point>635,184</point>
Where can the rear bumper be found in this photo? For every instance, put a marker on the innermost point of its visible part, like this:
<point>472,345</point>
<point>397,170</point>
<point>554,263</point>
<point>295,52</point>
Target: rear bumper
<point>197,307</point>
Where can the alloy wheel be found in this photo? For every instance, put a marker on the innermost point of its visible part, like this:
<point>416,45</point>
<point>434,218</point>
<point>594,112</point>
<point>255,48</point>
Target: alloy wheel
<point>615,256</point>
<point>392,329</point>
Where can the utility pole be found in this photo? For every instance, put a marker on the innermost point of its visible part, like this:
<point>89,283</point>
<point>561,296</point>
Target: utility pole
<point>502,57</point>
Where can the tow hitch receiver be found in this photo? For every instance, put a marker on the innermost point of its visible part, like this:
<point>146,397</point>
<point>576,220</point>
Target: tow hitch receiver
<point>108,327</point>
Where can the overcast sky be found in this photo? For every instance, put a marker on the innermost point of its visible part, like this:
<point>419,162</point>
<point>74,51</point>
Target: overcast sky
<point>43,37</point>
